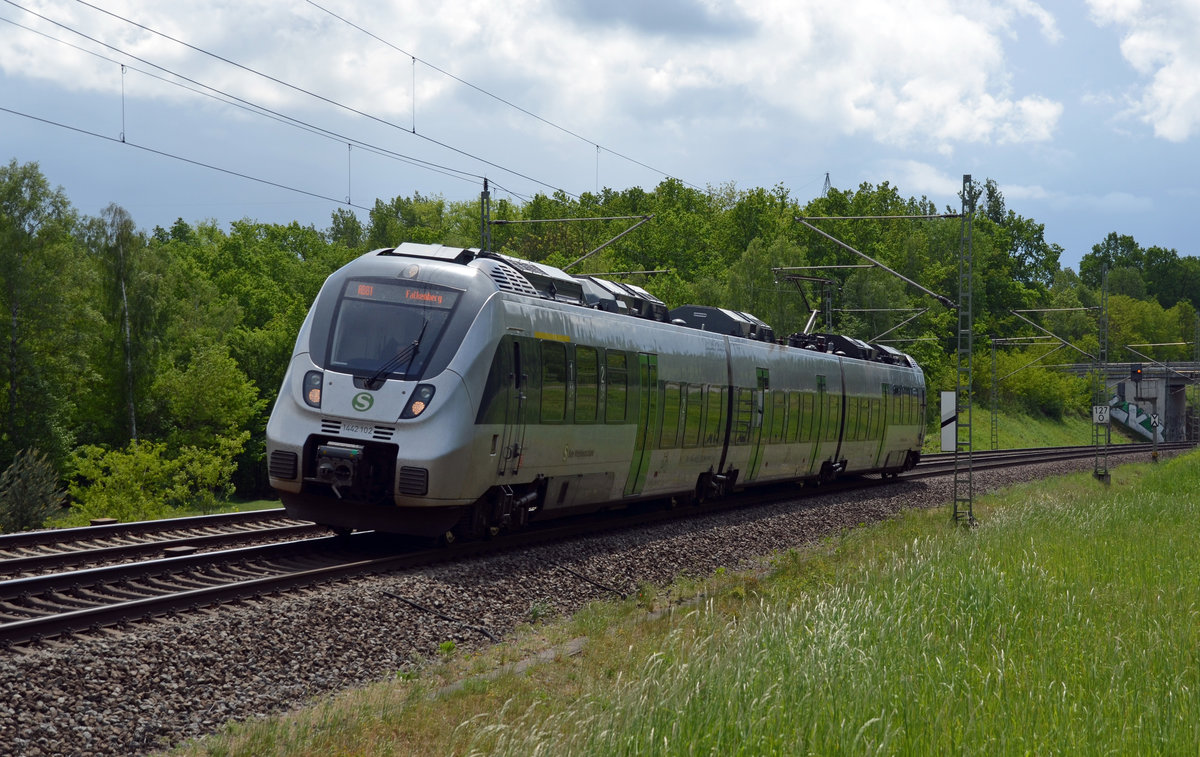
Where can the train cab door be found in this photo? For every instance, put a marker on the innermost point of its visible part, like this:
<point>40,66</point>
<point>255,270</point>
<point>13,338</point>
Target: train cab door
<point>647,417</point>
<point>513,435</point>
<point>757,422</point>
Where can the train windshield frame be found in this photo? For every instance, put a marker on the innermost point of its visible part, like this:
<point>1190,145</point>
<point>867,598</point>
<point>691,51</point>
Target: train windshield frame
<point>377,322</point>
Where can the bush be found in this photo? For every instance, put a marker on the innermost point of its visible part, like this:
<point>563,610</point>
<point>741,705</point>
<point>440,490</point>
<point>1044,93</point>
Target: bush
<point>145,482</point>
<point>29,492</point>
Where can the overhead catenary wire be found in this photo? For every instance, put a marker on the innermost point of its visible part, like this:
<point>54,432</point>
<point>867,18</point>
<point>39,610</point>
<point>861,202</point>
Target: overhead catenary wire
<point>226,98</point>
<point>269,78</point>
<point>173,156</point>
<point>497,98</point>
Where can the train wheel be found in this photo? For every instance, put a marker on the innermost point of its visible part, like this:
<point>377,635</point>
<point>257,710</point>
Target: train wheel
<point>474,524</point>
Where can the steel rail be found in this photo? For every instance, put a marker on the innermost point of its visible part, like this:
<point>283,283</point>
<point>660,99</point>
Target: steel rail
<point>240,573</point>
<point>64,558</point>
<point>25,539</point>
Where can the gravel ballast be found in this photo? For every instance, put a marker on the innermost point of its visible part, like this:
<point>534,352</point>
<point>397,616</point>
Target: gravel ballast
<point>154,685</point>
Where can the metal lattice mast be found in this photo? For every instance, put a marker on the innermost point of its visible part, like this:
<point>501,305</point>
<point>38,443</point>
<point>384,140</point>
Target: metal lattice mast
<point>963,464</point>
<point>995,400</point>
<point>485,218</point>
<point>1101,432</point>
<point>1195,388</point>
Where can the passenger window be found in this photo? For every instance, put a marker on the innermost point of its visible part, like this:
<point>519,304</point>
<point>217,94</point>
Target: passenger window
<point>616,387</point>
<point>554,382</point>
<point>778,415</point>
<point>587,391</point>
<point>692,415</point>
<point>833,417</point>
<point>744,416</point>
<point>793,424</point>
<point>670,417</point>
<point>714,415</point>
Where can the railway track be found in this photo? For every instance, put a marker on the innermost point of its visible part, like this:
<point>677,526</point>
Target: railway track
<point>942,463</point>
<point>36,552</point>
<point>38,607</point>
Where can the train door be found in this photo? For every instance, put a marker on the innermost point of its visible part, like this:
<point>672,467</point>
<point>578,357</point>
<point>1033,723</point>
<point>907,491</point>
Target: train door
<point>647,415</point>
<point>757,421</point>
<point>513,435</point>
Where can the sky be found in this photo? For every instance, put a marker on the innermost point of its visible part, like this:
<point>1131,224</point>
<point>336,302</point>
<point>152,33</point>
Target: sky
<point>1085,112</point>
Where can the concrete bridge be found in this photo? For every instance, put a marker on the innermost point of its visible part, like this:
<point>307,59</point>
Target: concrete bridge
<point>1161,393</point>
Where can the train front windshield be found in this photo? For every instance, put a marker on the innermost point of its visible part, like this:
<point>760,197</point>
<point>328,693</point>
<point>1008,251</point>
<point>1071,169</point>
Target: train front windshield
<point>386,328</point>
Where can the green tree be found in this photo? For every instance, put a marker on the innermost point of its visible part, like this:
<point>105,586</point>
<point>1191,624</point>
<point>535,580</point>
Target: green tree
<point>127,295</point>
<point>29,492</point>
<point>39,305</point>
<point>1116,251</point>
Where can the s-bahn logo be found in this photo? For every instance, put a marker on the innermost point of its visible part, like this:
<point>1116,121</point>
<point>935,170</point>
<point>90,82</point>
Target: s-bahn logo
<point>362,402</point>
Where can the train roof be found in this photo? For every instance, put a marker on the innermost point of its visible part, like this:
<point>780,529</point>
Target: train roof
<point>525,277</point>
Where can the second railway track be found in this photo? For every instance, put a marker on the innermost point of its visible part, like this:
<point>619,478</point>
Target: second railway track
<point>39,552</point>
<point>36,607</point>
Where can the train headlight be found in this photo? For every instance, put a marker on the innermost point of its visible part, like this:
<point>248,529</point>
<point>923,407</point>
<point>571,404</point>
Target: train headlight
<point>420,400</point>
<point>312,388</point>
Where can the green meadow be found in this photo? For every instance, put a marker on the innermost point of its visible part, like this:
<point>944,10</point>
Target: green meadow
<point>1068,621</point>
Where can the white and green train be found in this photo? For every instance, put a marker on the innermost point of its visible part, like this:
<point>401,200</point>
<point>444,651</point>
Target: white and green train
<point>439,390</point>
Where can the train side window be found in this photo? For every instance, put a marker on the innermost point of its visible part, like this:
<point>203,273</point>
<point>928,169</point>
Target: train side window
<point>715,415</point>
<point>743,416</point>
<point>806,417</point>
<point>669,437</point>
<point>554,382</point>
<point>692,415</point>
<point>793,424</point>
<point>833,416</point>
<point>778,415</point>
<point>587,390</point>
<point>616,387</point>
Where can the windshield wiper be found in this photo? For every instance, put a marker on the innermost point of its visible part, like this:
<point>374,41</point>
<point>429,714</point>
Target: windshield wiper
<point>406,354</point>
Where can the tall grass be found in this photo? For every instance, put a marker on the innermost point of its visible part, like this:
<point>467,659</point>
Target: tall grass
<point>1069,622</point>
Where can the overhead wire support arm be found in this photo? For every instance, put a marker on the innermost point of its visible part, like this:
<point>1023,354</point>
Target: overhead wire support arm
<point>1166,368</point>
<point>1017,313</point>
<point>502,222</point>
<point>785,269</point>
<point>632,273</point>
<point>940,298</point>
<point>881,218</point>
<point>913,317</point>
<point>571,265</point>
<point>1035,360</point>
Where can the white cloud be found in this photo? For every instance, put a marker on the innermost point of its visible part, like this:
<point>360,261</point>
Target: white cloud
<point>926,74</point>
<point>1113,202</point>
<point>1024,192</point>
<point>1162,43</point>
<point>917,178</point>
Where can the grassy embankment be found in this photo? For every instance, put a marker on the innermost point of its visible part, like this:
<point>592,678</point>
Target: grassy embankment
<point>1068,622</point>
<point>1019,431</point>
